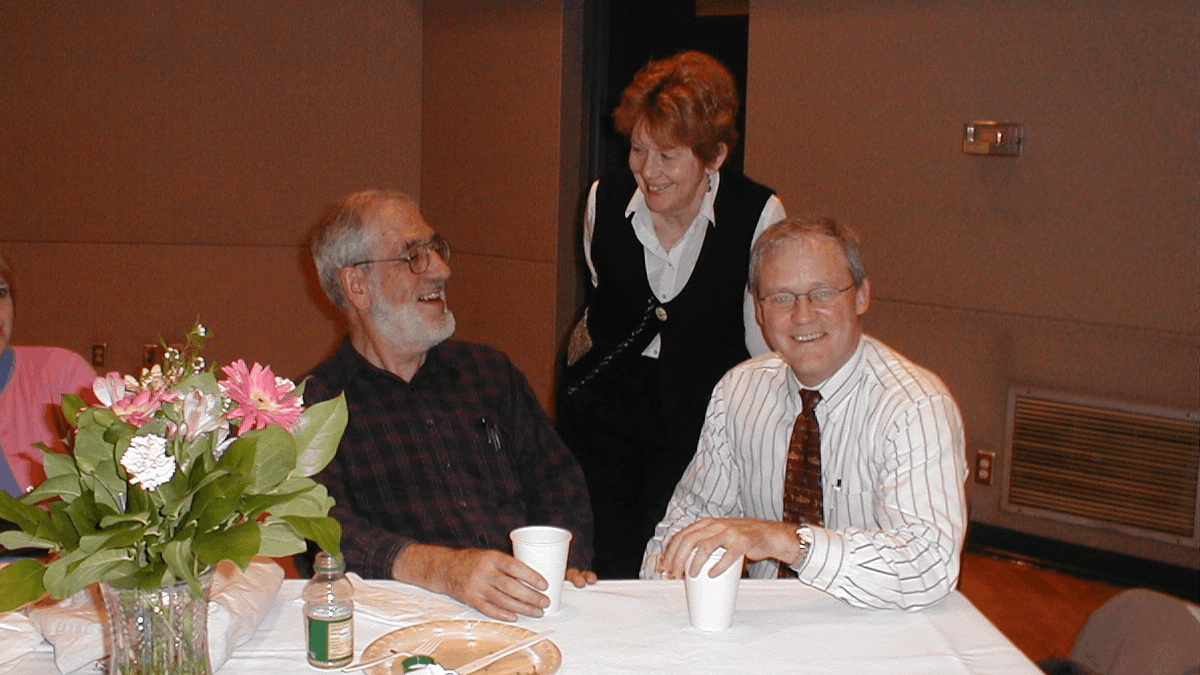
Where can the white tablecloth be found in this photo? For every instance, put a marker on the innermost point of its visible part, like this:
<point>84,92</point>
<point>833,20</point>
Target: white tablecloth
<point>779,626</point>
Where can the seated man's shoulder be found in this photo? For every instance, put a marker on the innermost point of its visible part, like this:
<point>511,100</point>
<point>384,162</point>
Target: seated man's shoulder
<point>328,378</point>
<point>474,354</point>
<point>899,373</point>
<point>766,365</point>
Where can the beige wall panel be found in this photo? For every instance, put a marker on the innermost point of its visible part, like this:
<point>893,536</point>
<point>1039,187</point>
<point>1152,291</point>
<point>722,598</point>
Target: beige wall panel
<point>861,105</point>
<point>166,160</point>
<point>258,302</point>
<point>980,355</point>
<point>1073,267</point>
<point>500,167</point>
<point>506,303</point>
<point>490,160</point>
<point>214,122</point>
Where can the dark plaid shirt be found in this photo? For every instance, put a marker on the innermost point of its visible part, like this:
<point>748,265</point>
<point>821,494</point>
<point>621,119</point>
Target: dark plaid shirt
<point>459,456</point>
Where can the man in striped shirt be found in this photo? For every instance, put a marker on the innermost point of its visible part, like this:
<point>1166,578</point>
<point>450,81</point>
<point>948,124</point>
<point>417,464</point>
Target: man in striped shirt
<point>893,461</point>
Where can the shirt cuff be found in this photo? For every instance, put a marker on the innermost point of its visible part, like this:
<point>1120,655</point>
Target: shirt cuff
<point>821,566</point>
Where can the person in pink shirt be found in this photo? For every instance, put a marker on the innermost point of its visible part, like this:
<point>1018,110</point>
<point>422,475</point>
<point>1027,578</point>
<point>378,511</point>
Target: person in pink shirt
<point>32,382</point>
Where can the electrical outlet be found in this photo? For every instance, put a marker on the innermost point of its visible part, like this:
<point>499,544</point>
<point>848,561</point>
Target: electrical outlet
<point>150,356</point>
<point>985,467</point>
<point>99,351</point>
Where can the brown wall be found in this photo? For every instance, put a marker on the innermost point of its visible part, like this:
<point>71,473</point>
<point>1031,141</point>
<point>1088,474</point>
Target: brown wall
<point>165,160</point>
<point>1073,267</point>
<point>502,106</point>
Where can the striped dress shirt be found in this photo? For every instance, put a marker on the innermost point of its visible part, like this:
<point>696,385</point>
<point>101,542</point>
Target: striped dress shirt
<point>893,463</point>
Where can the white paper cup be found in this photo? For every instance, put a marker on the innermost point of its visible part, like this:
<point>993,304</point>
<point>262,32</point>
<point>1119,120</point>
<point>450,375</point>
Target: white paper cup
<point>544,548</point>
<point>710,601</point>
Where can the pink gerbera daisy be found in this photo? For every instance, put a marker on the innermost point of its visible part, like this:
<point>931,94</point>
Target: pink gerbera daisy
<point>261,397</point>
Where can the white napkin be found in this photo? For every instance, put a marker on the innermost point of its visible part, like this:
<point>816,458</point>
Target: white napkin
<point>18,637</point>
<point>396,605</point>
<point>238,602</point>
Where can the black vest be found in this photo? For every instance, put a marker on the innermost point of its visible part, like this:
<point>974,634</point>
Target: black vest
<point>703,334</point>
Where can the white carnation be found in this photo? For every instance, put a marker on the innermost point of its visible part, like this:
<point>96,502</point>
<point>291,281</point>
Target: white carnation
<point>147,462</point>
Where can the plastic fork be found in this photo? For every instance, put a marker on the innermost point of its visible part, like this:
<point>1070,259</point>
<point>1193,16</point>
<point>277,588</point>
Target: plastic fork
<point>425,648</point>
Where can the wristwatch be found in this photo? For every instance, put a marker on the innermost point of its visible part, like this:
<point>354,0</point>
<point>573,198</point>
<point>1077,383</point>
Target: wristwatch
<point>805,538</point>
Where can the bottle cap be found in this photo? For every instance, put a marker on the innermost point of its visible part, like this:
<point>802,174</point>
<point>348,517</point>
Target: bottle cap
<point>416,662</point>
<point>327,562</point>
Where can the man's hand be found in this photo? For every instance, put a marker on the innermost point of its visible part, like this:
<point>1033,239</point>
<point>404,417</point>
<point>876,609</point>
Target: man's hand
<point>756,539</point>
<point>580,578</point>
<point>492,582</point>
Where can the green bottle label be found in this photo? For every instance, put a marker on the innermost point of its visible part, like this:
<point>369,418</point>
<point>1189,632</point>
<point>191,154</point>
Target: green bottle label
<point>330,641</point>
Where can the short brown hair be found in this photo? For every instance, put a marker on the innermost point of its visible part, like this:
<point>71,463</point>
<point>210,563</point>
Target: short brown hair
<point>801,227</point>
<point>689,99</point>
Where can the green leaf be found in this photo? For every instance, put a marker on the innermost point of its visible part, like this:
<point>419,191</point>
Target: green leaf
<point>102,417</point>
<point>239,543</point>
<point>21,512</point>
<point>311,501</point>
<point>72,404</point>
<point>107,486</point>
<point>255,505</point>
<point>84,513</point>
<point>14,539</point>
<point>57,464</point>
<point>22,583</point>
<point>327,532</point>
<point>218,501</point>
<point>318,434</point>
<point>280,539</point>
<point>118,535</point>
<point>274,457</point>
<point>141,518</point>
<point>239,456</point>
<point>90,448</point>
<point>67,534</point>
<point>96,566</point>
<point>205,381</point>
<point>67,487</point>
<point>180,559</point>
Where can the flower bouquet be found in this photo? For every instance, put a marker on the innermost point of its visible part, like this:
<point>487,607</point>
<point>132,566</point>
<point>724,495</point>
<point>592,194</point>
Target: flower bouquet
<point>172,473</point>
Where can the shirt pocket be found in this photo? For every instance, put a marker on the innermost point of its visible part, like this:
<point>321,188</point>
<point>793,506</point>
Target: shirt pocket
<point>496,450</point>
<point>848,507</point>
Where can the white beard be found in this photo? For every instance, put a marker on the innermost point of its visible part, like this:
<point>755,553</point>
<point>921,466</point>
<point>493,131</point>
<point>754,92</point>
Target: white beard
<point>405,327</point>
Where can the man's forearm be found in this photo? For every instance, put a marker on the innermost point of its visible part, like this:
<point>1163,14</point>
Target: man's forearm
<point>422,565</point>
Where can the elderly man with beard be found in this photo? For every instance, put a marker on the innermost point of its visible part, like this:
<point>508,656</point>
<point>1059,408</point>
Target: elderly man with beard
<point>447,449</point>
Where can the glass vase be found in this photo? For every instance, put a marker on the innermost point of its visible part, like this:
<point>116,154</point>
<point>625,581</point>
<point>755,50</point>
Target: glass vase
<point>163,631</point>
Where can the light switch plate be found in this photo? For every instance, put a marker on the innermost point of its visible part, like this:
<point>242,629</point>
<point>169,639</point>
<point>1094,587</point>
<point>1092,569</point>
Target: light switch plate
<point>997,139</point>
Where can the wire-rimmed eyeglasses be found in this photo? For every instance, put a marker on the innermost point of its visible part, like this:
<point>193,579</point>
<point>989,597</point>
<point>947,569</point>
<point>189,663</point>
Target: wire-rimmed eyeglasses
<point>818,297</point>
<point>418,255</point>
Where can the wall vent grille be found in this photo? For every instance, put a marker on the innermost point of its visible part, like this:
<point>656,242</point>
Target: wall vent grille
<point>1104,464</point>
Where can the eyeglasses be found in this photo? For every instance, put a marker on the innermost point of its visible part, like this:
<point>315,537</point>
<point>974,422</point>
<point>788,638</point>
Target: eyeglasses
<point>418,255</point>
<point>819,298</point>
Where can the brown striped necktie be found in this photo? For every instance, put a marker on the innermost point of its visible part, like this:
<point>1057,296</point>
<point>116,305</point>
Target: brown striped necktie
<point>802,500</point>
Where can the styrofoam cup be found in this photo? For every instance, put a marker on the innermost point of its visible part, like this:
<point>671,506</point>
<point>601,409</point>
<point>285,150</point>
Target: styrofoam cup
<point>544,548</point>
<point>710,600</point>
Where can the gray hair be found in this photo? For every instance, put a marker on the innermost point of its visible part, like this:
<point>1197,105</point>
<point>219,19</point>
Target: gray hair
<point>342,237</point>
<point>794,229</point>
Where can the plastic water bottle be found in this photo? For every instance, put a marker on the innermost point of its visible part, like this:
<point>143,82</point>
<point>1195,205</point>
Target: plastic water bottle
<point>329,613</point>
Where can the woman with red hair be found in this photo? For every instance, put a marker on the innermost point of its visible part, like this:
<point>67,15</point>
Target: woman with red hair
<point>667,245</point>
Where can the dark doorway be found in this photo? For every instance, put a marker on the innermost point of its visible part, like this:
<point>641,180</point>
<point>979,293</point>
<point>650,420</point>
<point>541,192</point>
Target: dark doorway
<point>624,34</point>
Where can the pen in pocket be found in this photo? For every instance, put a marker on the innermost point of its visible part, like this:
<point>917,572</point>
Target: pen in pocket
<point>493,432</point>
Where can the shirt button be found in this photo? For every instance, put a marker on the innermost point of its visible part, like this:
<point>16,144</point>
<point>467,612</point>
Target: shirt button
<point>428,421</point>
<point>463,504</point>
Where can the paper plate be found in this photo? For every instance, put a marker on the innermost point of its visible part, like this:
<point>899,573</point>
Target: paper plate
<point>463,642</point>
